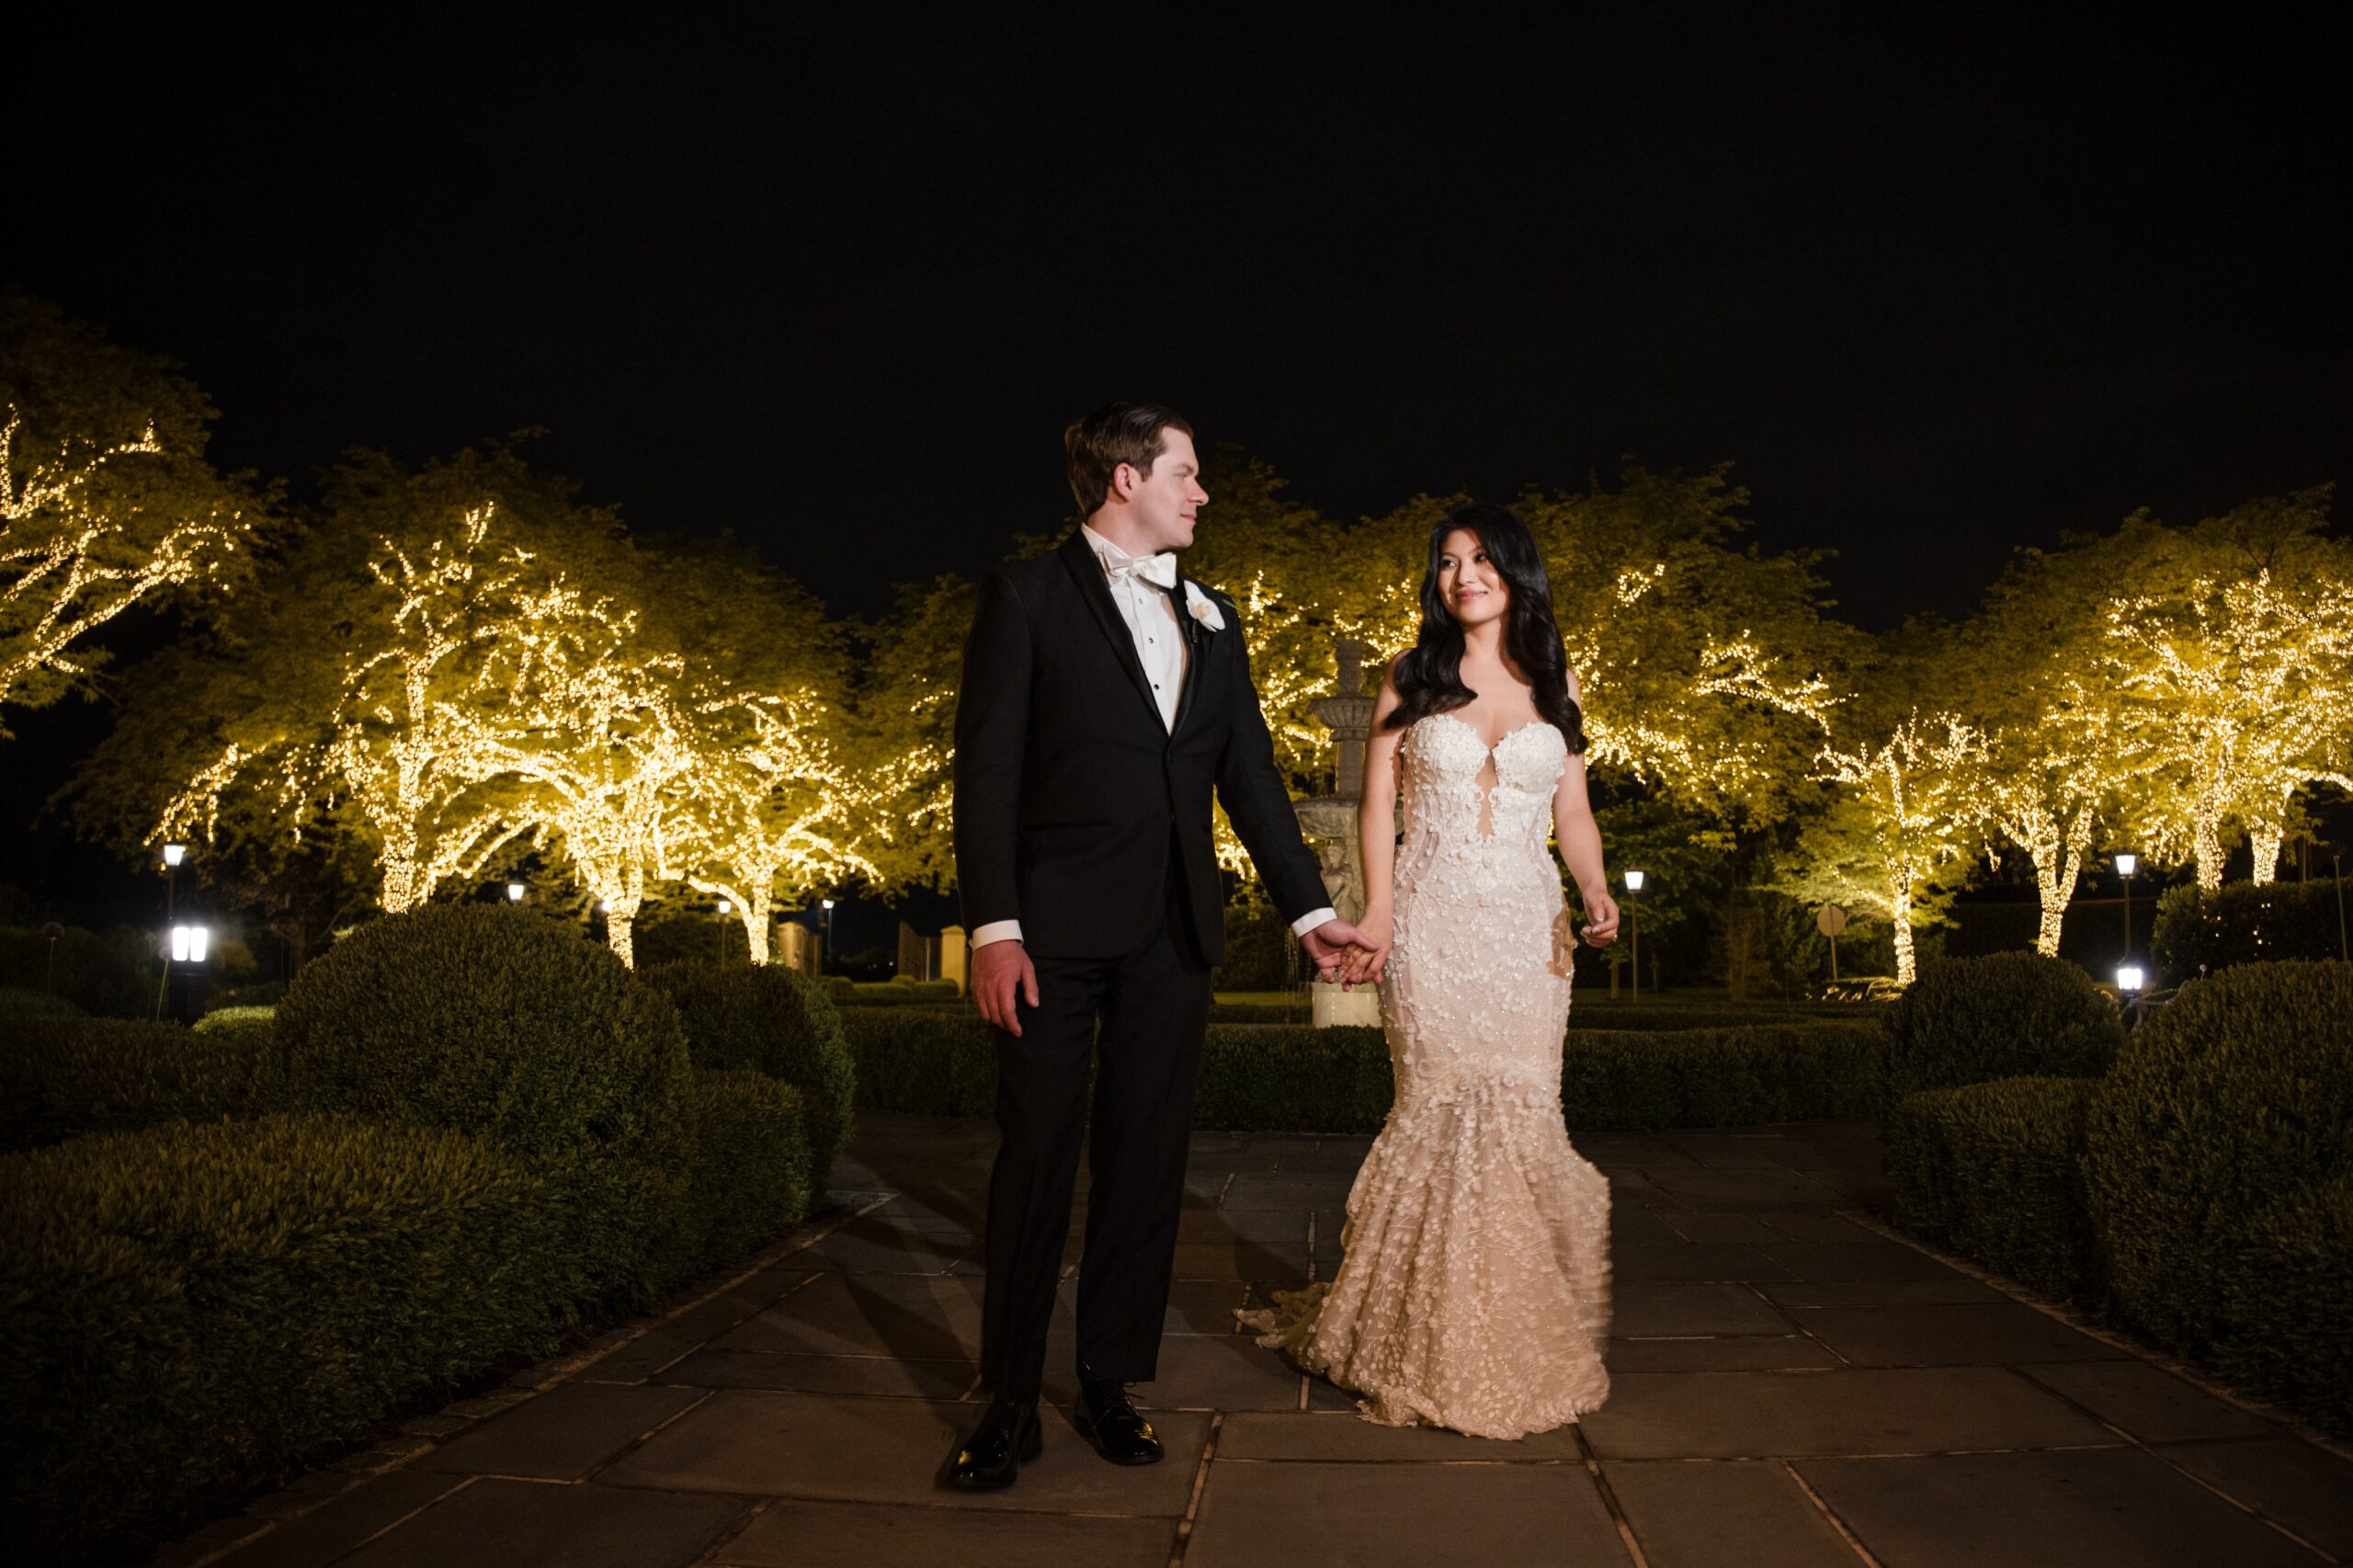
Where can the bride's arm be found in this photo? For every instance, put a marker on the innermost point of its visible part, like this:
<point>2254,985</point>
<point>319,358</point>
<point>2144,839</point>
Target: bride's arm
<point>1580,841</point>
<point>1377,836</point>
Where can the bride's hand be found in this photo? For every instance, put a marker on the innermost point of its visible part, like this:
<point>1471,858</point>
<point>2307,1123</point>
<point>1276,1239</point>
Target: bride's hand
<point>1600,919</point>
<point>1361,964</point>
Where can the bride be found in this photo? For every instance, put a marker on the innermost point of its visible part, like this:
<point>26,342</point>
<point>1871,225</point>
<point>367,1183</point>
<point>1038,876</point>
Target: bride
<point>1474,1291</point>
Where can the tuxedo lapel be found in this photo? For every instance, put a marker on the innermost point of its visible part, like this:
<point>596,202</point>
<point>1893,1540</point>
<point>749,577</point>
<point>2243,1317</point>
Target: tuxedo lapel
<point>1197,653</point>
<point>1088,574</point>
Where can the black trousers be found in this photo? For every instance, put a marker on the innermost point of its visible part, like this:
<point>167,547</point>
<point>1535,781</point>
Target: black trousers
<point>1152,1006</point>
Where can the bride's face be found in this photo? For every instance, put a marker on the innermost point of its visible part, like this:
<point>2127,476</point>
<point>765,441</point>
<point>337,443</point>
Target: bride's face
<point>1474,590</point>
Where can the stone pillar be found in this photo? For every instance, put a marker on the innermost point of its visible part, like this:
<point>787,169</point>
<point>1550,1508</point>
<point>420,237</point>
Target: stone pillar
<point>914,960</point>
<point>1329,822</point>
<point>796,947</point>
<point>955,960</point>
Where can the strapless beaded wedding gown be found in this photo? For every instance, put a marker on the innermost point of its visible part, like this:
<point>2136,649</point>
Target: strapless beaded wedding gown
<point>1474,1288</point>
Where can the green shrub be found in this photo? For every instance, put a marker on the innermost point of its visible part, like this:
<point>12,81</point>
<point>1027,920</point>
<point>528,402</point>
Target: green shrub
<point>64,1078</point>
<point>2294,1274</point>
<point>1296,1079</point>
<point>1994,1171</point>
<point>499,1022</point>
<point>1258,946</point>
<point>2205,930</point>
<point>190,1310</point>
<point>2224,1128</point>
<point>24,1002</point>
<point>112,975</point>
<point>777,1021</point>
<point>259,1022</point>
<point>898,993</point>
<point>751,1179</point>
<point>2003,1015</point>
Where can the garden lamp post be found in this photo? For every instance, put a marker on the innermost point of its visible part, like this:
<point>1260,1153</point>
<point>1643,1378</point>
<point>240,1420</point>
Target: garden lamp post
<point>2129,978</point>
<point>726,906</point>
<point>515,892</point>
<point>2126,864</point>
<point>188,944</point>
<point>827,905</point>
<point>1633,928</point>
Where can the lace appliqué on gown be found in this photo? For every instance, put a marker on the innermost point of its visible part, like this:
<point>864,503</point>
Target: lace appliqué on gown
<point>1474,1288</point>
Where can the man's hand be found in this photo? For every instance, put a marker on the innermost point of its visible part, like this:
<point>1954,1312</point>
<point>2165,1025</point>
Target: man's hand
<point>999,970</point>
<point>1329,946</point>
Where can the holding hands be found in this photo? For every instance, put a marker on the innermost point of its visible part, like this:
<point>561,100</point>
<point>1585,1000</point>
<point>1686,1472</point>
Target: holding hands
<point>1600,917</point>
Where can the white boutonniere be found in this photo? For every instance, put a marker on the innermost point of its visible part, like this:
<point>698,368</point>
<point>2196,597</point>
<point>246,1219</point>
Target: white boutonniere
<point>1202,608</point>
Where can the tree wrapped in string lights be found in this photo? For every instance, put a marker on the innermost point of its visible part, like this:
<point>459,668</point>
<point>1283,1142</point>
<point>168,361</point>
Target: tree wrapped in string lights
<point>105,500</point>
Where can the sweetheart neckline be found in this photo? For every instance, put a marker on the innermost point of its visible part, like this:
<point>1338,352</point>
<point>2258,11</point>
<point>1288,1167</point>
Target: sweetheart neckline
<point>1501,742</point>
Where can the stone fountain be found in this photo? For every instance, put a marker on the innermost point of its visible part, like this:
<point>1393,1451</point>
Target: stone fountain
<point>1330,824</point>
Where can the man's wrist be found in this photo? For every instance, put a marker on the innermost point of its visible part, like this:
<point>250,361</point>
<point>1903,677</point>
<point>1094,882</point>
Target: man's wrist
<point>1312,919</point>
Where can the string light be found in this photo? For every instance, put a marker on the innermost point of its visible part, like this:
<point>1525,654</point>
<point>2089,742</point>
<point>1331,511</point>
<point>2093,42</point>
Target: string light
<point>1919,786</point>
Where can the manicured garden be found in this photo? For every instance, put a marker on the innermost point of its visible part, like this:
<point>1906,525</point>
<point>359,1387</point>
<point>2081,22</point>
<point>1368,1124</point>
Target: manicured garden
<point>466,1134</point>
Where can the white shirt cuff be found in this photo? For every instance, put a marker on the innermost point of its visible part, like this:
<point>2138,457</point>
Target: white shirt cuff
<point>996,931</point>
<point>1312,919</point>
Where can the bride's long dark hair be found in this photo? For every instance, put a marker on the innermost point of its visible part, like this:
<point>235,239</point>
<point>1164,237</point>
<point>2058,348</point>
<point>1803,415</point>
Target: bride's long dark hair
<point>1429,676</point>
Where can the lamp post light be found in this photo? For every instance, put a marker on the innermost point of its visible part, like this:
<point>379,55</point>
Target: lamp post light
<point>726,906</point>
<point>2126,864</point>
<point>514,892</point>
<point>2129,978</point>
<point>186,944</point>
<point>827,905</point>
<point>1633,928</point>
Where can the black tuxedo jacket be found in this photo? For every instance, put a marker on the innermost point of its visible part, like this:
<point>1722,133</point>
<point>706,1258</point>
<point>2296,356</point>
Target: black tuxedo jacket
<point>1073,800</point>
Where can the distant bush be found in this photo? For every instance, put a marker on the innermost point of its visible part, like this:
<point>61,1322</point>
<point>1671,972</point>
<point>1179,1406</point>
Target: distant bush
<point>1296,1079</point>
<point>777,1021</point>
<point>2219,1150</point>
<point>2002,1015</point>
<point>1257,951</point>
<point>1993,1170</point>
<point>751,1178</point>
<point>901,992</point>
<point>67,1077</point>
<point>2205,930</point>
<point>21,1002</point>
<point>257,1022</point>
<point>195,1309</point>
<point>498,1022</point>
<point>113,976</point>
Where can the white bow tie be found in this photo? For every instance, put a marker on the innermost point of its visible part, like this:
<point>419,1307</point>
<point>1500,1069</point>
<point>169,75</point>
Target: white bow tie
<point>1159,569</point>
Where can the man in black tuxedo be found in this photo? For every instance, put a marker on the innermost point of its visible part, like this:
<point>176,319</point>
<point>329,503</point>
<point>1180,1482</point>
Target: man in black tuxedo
<point>1106,697</point>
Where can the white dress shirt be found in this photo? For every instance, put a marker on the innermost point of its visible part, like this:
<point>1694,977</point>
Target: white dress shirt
<point>1150,612</point>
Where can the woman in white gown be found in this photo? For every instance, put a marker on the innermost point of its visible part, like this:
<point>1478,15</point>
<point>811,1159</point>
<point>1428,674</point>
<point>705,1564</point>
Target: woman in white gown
<point>1474,1290</point>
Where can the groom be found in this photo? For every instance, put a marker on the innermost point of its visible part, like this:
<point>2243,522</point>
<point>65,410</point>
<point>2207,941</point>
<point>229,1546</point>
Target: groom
<point>1105,695</point>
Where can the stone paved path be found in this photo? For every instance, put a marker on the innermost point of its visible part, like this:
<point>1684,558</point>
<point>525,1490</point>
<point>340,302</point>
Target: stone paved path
<point>1793,1388</point>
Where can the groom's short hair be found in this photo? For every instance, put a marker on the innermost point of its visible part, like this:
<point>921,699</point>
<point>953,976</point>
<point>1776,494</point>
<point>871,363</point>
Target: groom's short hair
<point>1114,433</point>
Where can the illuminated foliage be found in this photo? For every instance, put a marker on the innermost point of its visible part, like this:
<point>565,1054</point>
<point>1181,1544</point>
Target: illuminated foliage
<point>106,501</point>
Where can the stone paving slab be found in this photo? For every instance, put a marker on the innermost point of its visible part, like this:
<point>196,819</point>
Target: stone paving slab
<point>2113,1506</point>
<point>1743,1514</point>
<point>1312,1514</point>
<point>1784,1372</point>
<point>860,1535</point>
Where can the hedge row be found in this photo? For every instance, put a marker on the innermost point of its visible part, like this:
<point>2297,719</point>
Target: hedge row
<point>2202,1190</point>
<point>2002,1015</point>
<point>1294,1079</point>
<point>465,1128</point>
<point>1994,1171</point>
<point>190,1309</point>
<point>2206,931</point>
<point>779,1022</point>
<point>64,1078</point>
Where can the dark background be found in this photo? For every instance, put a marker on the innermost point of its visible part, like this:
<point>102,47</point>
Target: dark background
<point>1939,284</point>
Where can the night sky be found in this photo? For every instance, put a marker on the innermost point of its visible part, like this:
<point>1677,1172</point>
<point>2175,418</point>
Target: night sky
<point>1937,286</point>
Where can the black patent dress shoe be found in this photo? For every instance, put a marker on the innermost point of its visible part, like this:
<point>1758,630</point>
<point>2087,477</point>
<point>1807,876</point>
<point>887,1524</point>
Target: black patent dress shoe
<point>993,1456</point>
<point>1109,1421</point>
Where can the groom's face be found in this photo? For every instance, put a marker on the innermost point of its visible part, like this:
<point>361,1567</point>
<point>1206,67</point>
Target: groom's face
<point>1166,502</point>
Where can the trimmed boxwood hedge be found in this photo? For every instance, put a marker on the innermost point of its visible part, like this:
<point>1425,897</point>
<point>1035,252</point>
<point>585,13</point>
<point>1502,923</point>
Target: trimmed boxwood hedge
<point>64,1078</point>
<point>1994,1171</point>
<point>192,1310</point>
<point>2002,1015</point>
<point>1269,1078</point>
<point>497,1021</point>
<point>774,1021</point>
<point>751,1179</point>
<point>2218,1150</point>
<point>2205,930</point>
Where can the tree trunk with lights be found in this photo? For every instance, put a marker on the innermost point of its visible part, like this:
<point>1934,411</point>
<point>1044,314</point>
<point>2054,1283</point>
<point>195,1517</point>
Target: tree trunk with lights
<point>757,912</point>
